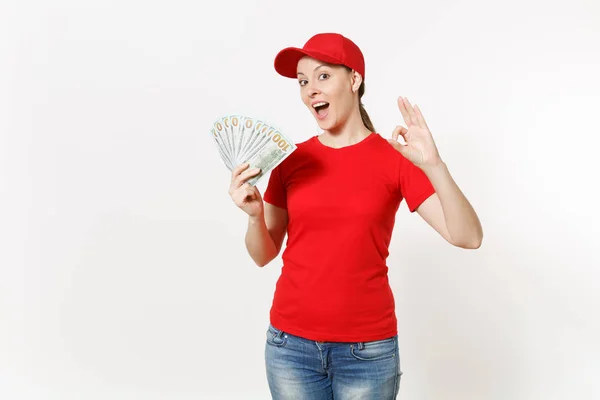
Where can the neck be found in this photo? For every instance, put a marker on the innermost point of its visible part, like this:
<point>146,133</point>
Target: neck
<point>352,131</point>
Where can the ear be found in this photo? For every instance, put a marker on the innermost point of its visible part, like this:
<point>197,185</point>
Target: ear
<point>356,81</point>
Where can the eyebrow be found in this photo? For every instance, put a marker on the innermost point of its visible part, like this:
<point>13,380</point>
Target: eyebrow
<point>317,67</point>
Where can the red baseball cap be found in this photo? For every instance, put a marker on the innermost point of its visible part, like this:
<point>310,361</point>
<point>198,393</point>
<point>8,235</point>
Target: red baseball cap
<point>332,48</point>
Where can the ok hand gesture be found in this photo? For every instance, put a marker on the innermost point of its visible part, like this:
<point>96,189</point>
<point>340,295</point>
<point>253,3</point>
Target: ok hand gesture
<point>420,149</point>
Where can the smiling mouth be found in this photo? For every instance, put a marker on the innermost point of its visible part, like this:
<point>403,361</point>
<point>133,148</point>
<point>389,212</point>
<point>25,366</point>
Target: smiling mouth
<point>321,108</point>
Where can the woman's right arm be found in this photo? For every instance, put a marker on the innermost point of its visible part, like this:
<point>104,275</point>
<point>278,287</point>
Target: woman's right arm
<point>267,224</point>
<point>265,234</point>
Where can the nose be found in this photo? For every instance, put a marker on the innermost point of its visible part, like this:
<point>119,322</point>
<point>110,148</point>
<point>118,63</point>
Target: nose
<point>313,90</point>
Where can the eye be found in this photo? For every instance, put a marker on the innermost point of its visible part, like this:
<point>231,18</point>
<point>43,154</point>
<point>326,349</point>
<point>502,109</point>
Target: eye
<point>302,82</point>
<point>323,74</point>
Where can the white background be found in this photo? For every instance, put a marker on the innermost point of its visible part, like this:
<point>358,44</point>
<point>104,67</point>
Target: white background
<point>123,270</point>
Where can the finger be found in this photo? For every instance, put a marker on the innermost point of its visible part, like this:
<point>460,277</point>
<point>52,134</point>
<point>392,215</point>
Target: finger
<point>404,111</point>
<point>420,117</point>
<point>396,132</point>
<point>247,175</point>
<point>237,170</point>
<point>257,194</point>
<point>400,130</point>
<point>402,148</point>
<point>254,190</point>
<point>411,112</point>
<point>238,179</point>
<point>251,193</point>
<point>241,193</point>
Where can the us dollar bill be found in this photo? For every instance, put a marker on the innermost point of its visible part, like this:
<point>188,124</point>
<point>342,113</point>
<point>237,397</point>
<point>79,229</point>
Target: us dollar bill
<point>270,154</point>
<point>222,149</point>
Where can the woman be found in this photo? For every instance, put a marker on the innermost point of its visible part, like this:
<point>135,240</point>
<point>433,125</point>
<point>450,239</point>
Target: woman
<point>333,330</point>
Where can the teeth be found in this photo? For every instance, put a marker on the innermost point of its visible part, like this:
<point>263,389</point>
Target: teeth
<point>319,104</point>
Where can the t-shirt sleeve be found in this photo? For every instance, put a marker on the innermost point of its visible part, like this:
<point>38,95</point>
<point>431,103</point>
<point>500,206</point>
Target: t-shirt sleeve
<point>415,186</point>
<point>275,192</point>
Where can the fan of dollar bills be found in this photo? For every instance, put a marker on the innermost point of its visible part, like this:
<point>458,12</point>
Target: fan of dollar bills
<point>242,139</point>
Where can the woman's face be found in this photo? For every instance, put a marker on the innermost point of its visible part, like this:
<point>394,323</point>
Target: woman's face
<point>327,91</point>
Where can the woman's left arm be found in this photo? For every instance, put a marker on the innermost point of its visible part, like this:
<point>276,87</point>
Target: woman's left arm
<point>448,211</point>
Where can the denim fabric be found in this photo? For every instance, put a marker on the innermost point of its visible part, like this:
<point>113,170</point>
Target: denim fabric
<point>302,369</point>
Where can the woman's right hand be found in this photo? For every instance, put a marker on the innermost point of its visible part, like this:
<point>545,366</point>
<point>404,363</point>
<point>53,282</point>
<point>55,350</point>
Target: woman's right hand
<point>244,195</point>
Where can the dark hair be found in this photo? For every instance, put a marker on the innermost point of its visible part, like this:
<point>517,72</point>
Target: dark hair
<point>363,113</point>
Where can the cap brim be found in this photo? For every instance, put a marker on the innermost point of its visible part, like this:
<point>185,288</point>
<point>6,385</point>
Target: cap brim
<point>286,61</point>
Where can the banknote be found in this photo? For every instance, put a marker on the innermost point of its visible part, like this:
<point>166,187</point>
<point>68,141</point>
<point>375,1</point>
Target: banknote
<point>222,149</point>
<point>240,139</point>
<point>222,139</point>
<point>256,140</point>
<point>270,155</point>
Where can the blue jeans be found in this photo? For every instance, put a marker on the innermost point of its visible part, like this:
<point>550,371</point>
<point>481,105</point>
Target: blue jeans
<point>302,369</point>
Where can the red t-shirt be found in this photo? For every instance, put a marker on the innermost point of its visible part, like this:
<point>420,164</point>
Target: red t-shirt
<point>341,205</point>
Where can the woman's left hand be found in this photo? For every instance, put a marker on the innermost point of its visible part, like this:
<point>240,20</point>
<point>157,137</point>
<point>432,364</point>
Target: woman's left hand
<point>420,149</point>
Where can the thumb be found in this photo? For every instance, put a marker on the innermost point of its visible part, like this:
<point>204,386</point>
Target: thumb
<point>399,130</point>
<point>402,148</point>
<point>256,192</point>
